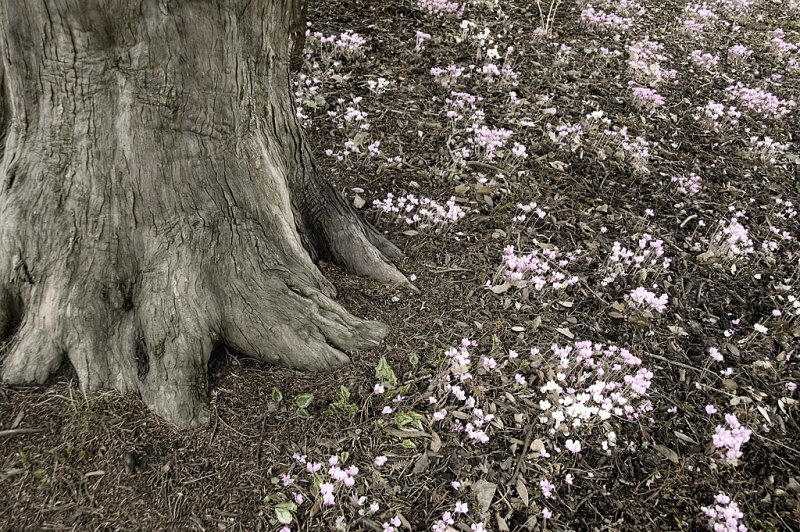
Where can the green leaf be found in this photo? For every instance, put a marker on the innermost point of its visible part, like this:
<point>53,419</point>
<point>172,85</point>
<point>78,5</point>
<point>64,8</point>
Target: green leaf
<point>495,342</point>
<point>384,372</point>
<point>304,400</point>
<point>344,456</point>
<point>344,395</point>
<point>408,444</point>
<point>302,413</point>
<point>413,358</point>
<point>284,512</point>
<point>401,419</point>
<point>277,396</point>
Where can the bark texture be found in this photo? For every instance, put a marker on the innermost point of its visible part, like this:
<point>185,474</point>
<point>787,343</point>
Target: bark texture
<point>157,197</point>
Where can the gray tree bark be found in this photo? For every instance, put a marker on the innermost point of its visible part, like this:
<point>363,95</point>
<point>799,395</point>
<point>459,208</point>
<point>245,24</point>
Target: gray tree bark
<point>157,198</point>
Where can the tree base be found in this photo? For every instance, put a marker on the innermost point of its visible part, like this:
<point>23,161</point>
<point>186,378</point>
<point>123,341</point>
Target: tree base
<point>158,199</point>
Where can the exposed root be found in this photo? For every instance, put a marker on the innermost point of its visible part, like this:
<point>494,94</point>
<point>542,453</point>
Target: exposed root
<point>34,354</point>
<point>294,326</point>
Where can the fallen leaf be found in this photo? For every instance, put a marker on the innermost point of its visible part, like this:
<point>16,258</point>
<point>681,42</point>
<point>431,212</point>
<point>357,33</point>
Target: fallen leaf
<point>436,443</point>
<point>501,524</point>
<point>522,490</point>
<point>421,465</point>
<point>668,453</point>
<point>407,433</point>
<point>566,332</point>
<point>484,493</point>
<point>500,288</point>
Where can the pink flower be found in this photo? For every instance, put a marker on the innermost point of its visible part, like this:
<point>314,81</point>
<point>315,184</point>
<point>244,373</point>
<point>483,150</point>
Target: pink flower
<point>326,490</point>
<point>380,460</point>
<point>412,278</point>
<point>461,508</point>
<point>386,410</point>
<point>573,446</point>
<point>547,514</point>
<point>456,485</point>
<point>714,353</point>
<point>711,409</point>
<point>791,386</point>
<point>547,488</point>
<point>379,389</point>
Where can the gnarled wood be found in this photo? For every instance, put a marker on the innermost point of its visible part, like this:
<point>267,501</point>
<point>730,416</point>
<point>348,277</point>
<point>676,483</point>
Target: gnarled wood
<point>157,197</point>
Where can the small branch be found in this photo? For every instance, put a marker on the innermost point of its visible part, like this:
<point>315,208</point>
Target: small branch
<point>487,166</point>
<point>518,467</point>
<point>17,432</point>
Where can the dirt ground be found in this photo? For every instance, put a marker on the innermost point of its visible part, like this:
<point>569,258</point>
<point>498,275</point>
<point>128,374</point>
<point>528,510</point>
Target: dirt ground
<point>103,462</point>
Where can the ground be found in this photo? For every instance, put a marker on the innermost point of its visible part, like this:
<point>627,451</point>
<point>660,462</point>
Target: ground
<point>629,364</point>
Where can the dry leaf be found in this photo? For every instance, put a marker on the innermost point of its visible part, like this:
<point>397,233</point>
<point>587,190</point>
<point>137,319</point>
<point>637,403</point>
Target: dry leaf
<point>436,443</point>
<point>522,490</point>
<point>500,288</point>
<point>421,465</point>
<point>566,332</point>
<point>484,493</point>
<point>501,524</point>
<point>668,453</point>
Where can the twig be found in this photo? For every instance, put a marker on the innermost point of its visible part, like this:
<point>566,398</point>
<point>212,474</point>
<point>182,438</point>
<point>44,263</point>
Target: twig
<point>16,432</point>
<point>487,166</point>
<point>528,436</point>
<point>369,523</point>
<point>673,362</point>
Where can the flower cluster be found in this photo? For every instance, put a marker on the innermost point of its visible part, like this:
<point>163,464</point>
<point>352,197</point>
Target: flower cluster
<point>420,212</point>
<point>456,395</point>
<point>567,136</point>
<point>640,297</point>
<point>646,98</point>
<point>648,254</point>
<point>689,185</point>
<point>760,101</point>
<point>645,62</point>
<point>767,149</point>
<point>487,141</point>
<point>779,45</point>
<point>725,515</point>
<point>346,44</point>
<point>449,518</point>
<point>447,76</point>
<point>540,269</point>
<point>635,150</point>
<point>733,239</point>
<point>738,54</point>
<point>441,8</point>
<point>696,18</point>
<point>729,439</point>
<point>592,383</point>
<point>704,60</point>
<point>715,115</point>
<point>421,37</point>
<point>462,102</point>
<point>598,20</point>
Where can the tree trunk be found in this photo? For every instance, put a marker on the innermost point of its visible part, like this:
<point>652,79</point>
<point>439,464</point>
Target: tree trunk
<point>157,197</point>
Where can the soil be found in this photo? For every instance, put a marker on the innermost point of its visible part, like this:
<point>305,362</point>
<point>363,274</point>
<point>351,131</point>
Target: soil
<point>103,462</point>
